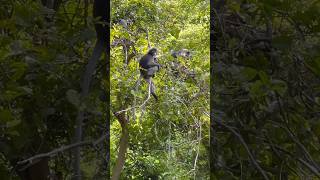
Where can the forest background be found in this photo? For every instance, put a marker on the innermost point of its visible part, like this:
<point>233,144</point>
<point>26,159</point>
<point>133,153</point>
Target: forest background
<point>264,90</point>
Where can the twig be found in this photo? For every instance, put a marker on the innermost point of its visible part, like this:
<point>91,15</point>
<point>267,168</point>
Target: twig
<point>147,35</point>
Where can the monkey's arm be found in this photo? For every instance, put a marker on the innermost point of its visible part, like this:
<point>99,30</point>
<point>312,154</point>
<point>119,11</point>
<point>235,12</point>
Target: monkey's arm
<point>154,63</point>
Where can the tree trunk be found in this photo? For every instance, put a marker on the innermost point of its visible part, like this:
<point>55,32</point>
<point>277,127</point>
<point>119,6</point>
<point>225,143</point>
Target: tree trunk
<point>36,171</point>
<point>123,146</point>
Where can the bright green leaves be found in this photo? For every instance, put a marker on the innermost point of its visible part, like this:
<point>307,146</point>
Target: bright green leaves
<point>194,35</point>
<point>172,25</point>
<point>174,31</point>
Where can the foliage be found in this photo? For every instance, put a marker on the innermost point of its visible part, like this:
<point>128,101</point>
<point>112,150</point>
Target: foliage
<point>169,138</point>
<point>42,58</point>
<point>265,101</point>
<point>266,90</point>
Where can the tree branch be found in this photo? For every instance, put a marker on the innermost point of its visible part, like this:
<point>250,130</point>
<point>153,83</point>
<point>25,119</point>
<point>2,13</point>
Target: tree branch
<point>123,146</point>
<point>54,152</point>
<point>149,93</point>
<point>252,158</point>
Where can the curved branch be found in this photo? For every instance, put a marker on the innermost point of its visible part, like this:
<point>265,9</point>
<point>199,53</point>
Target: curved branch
<point>252,158</point>
<point>54,152</point>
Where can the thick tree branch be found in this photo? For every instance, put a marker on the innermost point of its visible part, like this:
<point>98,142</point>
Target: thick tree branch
<point>123,146</point>
<point>100,9</point>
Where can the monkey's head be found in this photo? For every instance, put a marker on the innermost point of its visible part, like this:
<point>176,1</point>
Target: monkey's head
<point>153,51</point>
<point>185,53</point>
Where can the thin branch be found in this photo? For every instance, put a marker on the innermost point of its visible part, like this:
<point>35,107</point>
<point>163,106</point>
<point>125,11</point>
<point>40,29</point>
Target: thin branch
<point>252,158</point>
<point>62,149</point>
<point>149,93</point>
<point>305,163</point>
<point>147,35</point>
<point>198,151</point>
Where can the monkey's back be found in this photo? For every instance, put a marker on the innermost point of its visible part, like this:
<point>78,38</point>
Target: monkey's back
<point>145,66</point>
<point>145,61</point>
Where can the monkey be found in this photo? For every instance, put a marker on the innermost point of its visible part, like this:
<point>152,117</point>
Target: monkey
<point>123,22</point>
<point>174,54</point>
<point>178,68</point>
<point>185,53</point>
<point>148,67</point>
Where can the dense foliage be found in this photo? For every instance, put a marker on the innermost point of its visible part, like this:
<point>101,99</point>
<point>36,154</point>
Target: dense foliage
<point>168,139</point>
<point>43,54</point>
<point>266,90</point>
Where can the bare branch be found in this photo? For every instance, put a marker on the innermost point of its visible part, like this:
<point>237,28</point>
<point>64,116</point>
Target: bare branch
<point>54,152</point>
